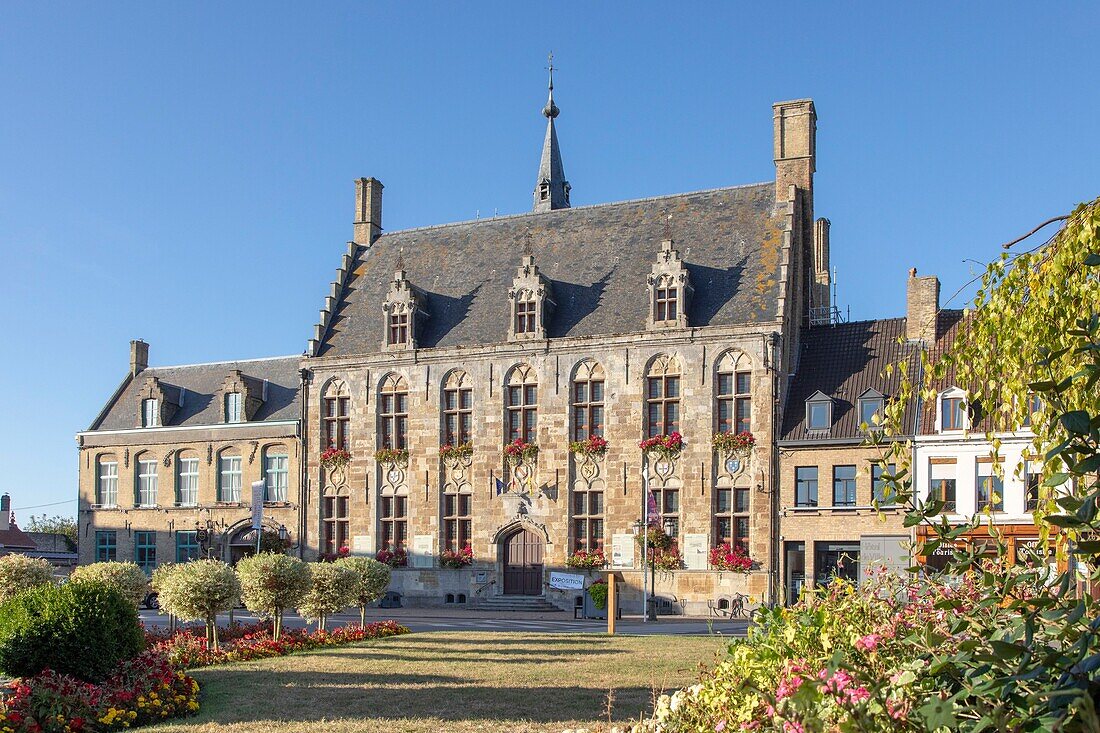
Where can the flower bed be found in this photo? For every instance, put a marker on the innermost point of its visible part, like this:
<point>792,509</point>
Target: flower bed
<point>593,446</point>
<point>583,560</point>
<point>145,689</point>
<point>725,557</point>
<point>456,559</point>
<point>520,452</point>
<point>335,458</point>
<point>187,649</point>
<point>666,446</point>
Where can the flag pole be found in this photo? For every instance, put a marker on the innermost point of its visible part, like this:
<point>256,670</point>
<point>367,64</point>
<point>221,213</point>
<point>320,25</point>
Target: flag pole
<point>645,536</point>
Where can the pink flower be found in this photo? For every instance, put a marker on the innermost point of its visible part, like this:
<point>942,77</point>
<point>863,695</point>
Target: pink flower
<point>869,643</point>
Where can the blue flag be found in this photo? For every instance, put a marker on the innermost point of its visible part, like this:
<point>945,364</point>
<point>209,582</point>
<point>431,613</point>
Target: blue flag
<point>500,487</point>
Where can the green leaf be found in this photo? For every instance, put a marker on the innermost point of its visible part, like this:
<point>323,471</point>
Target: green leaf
<point>1093,259</point>
<point>938,714</point>
<point>1088,465</point>
<point>1060,520</point>
<point>1087,547</point>
<point>1076,422</point>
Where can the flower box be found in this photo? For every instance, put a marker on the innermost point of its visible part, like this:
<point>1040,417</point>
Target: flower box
<point>456,452</point>
<point>594,446</point>
<point>584,560</point>
<point>457,559</point>
<point>733,558</point>
<point>734,443</point>
<point>666,446</point>
<point>395,558</point>
<point>335,458</point>
<point>392,456</point>
<point>520,452</point>
<point>598,591</point>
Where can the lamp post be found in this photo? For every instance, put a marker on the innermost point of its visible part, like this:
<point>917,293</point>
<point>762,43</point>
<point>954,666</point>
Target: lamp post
<point>640,526</point>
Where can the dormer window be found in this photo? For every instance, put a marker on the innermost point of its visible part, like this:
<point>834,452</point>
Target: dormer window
<point>233,404</point>
<point>871,404</point>
<point>150,413</point>
<point>402,312</point>
<point>953,413</point>
<point>532,301</point>
<point>669,289</point>
<point>819,412</point>
<point>399,328</point>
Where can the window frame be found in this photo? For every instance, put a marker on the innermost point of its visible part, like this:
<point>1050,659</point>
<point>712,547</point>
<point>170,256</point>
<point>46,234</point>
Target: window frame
<point>959,414</point>
<point>223,474</point>
<point>106,545</point>
<point>458,415</point>
<point>190,550</point>
<point>272,489</point>
<point>336,522</point>
<point>150,412</point>
<point>732,514</point>
<point>586,409</point>
<point>827,405</point>
<point>806,490</point>
<point>666,301</point>
<point>587,510</point>
<point>393,521</point>
<point>526,321</point>
<point>878,485</point>
<point>145,550</point>
<point>525,411</point>
<point>879,404</point>
<point>335,421</point>
<point>734,401</point>
<point>668,407</point>
<point>457,518</point>
<point>112,479</point>
<point>844,487</point>
<point>184,477</point>
<point>234,407</point>
<point>397,327</point>
<point>393,413</point>
<point>146,486</point>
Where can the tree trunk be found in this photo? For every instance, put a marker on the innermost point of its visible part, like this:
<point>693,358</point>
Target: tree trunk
<point>362,616</point>
<point>321,622</point>
<point>212,632</point>
<point>277,623</point>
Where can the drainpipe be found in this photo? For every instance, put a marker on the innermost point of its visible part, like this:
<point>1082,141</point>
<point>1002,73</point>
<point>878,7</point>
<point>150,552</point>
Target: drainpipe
<point>773,571</point>
<point>303,467</point>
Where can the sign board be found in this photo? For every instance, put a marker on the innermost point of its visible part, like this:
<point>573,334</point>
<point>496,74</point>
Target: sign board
<point>567,581</point>
<point>695,551</point>
<point>622,551</point>
<point>422,551</point>
<point>361,544</point>
<point>258,490</point>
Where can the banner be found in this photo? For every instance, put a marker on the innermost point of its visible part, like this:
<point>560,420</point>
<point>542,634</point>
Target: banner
<point>566,581</point>
<point>258,504</point>
<point>653,516</point>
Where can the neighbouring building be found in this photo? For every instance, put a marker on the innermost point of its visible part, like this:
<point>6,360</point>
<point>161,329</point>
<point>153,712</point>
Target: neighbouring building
<point>58,549</point>
<point>167,465</point>
<point>836,516</point>
<point>12,539</point>
<point>628,320</point>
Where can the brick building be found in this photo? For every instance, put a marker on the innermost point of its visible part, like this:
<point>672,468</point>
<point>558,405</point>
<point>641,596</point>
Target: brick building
<point>166,467</point>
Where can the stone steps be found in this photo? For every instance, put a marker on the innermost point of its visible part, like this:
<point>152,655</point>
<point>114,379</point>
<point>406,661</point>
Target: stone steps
<point>531,604</point>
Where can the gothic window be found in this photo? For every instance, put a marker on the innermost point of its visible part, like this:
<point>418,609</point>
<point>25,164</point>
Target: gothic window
<point>587,519</point>
<point>665,300</point>
<point>663,397</point>
<point>187,479</point>
<point>107,481</point>
<point>456,518</point>
<point>525,314</point>
<point>668,504</point>
<point>336,521</point>
<point>402,312</point>
<point>399,328</point>
<point>457,409</point>
<point>734,394</point>
<point>146,480</point>
<point>532,301</point>
<point>393,412</point>
<point>588,401</point>
<point>229,476</point>
<point>394,517</point>
<point>335,417</point>
<point>233,407</point>
<point>277,473</point>
<point>731,516</point>
<point>521,404</point>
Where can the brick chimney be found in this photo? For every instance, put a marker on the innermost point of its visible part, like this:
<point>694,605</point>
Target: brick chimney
<point>923,305</point>
<point>795,139</point>
<point>5,513</point>
<point>368,211</point>
<point>139,356</point>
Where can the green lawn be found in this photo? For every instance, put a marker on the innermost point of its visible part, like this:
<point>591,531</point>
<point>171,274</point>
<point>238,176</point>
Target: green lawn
<point>452,681</point>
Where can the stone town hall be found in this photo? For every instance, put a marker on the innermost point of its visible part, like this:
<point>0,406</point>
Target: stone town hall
<point>624,320</point>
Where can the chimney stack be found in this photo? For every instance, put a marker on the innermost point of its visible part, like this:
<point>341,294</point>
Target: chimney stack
<point>368,211</point>
<point>139,357</point>
<point>795,138</point>
<point>923,306</point>
<point>822,295</point>
<point>5,512</point>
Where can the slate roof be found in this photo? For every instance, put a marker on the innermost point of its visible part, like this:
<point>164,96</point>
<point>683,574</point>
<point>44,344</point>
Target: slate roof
<point>948,324</point>
<point>201,383</point>
<point>843,361</point>
<point>596,257</point>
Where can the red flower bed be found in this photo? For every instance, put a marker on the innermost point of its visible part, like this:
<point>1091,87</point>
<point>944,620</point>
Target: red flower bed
<point>144,690</point>
<point>187,649</point>
<point>396,558</point>
<point>457,558</point>
<point>725,557</point>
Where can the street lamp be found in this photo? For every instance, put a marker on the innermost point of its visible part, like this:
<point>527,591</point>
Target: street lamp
<point>640,526</point>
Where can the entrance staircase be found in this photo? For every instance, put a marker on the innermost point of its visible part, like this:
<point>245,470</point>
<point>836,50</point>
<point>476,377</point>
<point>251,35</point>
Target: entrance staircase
<point>529,604</point>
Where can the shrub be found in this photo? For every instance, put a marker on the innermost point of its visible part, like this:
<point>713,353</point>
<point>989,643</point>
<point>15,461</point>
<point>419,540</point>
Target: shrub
<point>126,577</point>
<point>371,579</point>
<point>79,629</point>
<point>598,591</point>
<point>198,590</point>
<point>332,588</point>
<point>19,573</point>
<point>271,583</point>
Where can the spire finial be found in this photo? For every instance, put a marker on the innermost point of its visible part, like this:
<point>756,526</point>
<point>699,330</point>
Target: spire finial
<point>550,111</point>
<point>527,250</point>
<point>401,259</point>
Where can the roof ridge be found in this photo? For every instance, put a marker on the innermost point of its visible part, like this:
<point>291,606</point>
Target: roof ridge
<point>225,361</point>
<point>575,208</point>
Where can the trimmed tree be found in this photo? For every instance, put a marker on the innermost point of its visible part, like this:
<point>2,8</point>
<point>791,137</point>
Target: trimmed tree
<point>332,588</point>
<point>270,583</point>
<point>198,590</point>
<point>19,573</point>
<point>125,577</point>
<point>372,577</point>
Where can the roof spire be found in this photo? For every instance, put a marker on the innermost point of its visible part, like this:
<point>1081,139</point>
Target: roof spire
<point>551,190</point>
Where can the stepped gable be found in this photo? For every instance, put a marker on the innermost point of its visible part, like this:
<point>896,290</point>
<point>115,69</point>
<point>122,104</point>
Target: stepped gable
<point>597,258</point>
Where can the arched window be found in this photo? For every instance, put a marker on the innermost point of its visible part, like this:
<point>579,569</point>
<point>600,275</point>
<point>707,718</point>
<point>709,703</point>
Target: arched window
<point>106,490</point>
<point>953,413</point>
<point>393,412</point>
<point>335,416</point>
<point>187,479</point>
<point>521,403</point>
<point>146,485</point>
<point>588,400</point>
<point>733,385</point>
<point>662,396</point>
<point>229,476</point>
<point>457,408</point>
<point>277,473</point>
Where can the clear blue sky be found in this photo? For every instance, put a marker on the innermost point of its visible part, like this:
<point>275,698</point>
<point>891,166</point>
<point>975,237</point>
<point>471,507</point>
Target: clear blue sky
<point>183,172</point>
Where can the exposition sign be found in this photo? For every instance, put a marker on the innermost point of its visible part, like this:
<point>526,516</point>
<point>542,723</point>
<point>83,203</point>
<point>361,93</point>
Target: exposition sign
<point>566,581</point>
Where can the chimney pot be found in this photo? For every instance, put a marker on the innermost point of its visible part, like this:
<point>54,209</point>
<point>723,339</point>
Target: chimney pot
<point>5,512</point>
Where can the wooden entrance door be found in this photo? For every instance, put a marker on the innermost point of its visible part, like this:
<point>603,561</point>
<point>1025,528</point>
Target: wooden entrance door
<point>523,564</point>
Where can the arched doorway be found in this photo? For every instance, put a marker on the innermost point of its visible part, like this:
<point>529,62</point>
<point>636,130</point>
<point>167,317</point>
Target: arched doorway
<point>522,563</point>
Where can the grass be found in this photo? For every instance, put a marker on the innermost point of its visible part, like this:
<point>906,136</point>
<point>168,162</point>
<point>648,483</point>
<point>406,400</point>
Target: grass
<point>449,681</point>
